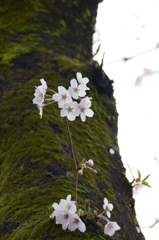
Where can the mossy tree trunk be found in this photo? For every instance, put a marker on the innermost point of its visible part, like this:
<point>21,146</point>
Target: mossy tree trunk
<point>52,39</point>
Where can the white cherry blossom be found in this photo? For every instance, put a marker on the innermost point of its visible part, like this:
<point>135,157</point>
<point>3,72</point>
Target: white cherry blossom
<point>77,90</point>
<point>40,95</point>
<point>70,110</point>
<point>68,204</point>
<point>62,217</point>
<point>110,228</point>
<point>75,222</point>
<point>85,110</point>
<point>62,97</point>
<point>82,80</point>
<point>107,207</point>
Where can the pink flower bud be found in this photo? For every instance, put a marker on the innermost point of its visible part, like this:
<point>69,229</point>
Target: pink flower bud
<point>95,171</point>
<point>90,162</point>
<point>80,172</point>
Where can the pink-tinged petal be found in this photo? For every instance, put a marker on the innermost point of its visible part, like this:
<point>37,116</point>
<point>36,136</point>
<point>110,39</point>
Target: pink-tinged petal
<point>110,228</point>
<point>70,116</point>
<point>80,172</point>
<point>79,77</point>
<point>73,83</point>
<point>72,227</point>
<point>81,226</point>
<point>108,214</point>
<point>105,201</point>
<point>90,163</point>
<point>89,113</point>
<point>63,112</point>
<point>62,90</point>
<point>64,226</point>
<point>83,117</point>
<point>57,97</point>
<point>110,206</point>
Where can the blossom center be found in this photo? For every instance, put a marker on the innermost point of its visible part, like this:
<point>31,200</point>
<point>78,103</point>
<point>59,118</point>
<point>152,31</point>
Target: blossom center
<point>76,220</point>
<point>40,95</point>
<point>68,206</point>
<point>76,90</point>
<point>110,225</point>
<point>69,109</point>
<point>64,96</point>
<point>66,216</point>
<point>107,209</point>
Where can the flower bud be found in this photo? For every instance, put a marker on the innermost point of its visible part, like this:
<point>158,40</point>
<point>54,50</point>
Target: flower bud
<point>95,171</point>
<point>90,162</point>
<point>80,172</point>
<point>87,205</point>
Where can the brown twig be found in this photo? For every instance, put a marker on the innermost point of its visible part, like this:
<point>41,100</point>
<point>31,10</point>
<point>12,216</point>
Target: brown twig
<point>73,155</point>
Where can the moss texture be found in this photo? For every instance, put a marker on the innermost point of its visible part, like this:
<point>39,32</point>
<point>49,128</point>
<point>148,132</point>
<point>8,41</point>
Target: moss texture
<point>52,40</point>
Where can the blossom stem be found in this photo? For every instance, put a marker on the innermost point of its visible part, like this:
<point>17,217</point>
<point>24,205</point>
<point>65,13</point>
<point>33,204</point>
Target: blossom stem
<point>73,155</point>
<point>103,217</point>
<point>48,103</point>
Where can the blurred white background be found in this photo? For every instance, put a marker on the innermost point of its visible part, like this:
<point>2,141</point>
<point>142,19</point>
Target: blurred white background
<point>126,28</point>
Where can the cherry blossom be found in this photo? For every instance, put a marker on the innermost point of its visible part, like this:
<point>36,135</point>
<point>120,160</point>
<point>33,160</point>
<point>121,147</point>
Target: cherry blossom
<point>107,207</point>
<point>39,94</point>
<point>62,217</point>
<point>90,163</point>
<point>80,172</point>
<point>82,80</point>
<point>85,110</point>
<point>70,110</point>
<point>75,222</point>
<point>110,228</point>
<point>77,90</point>
<point>62,97</point>
<point>68,204</point>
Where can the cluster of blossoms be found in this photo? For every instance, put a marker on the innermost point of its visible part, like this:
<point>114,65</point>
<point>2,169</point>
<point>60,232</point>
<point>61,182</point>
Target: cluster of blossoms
<point>110,227</point>
<point>73,102</point>
<point>65,214</point>
<point>88,164</point>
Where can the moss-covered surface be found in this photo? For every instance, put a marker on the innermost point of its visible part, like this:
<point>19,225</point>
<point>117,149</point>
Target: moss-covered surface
<point>52,40</point>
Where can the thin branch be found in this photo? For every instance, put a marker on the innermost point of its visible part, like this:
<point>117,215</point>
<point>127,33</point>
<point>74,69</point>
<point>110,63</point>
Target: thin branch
<point>73,155</point>
<point>129,58</point>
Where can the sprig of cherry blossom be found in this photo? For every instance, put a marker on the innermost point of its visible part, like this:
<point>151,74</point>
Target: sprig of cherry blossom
<point>73,102</point>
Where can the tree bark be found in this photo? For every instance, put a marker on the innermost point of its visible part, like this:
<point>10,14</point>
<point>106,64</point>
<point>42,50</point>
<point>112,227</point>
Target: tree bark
<point>52,39</point>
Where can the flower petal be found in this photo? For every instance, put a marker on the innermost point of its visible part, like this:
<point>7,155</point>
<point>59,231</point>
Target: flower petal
<point>89,113</point>
<point>83,117</point>
<point>57,97</point>
<point>79,77</point>
<point>73,83</point>
<point>62,90</point>
<point>63,112</point>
